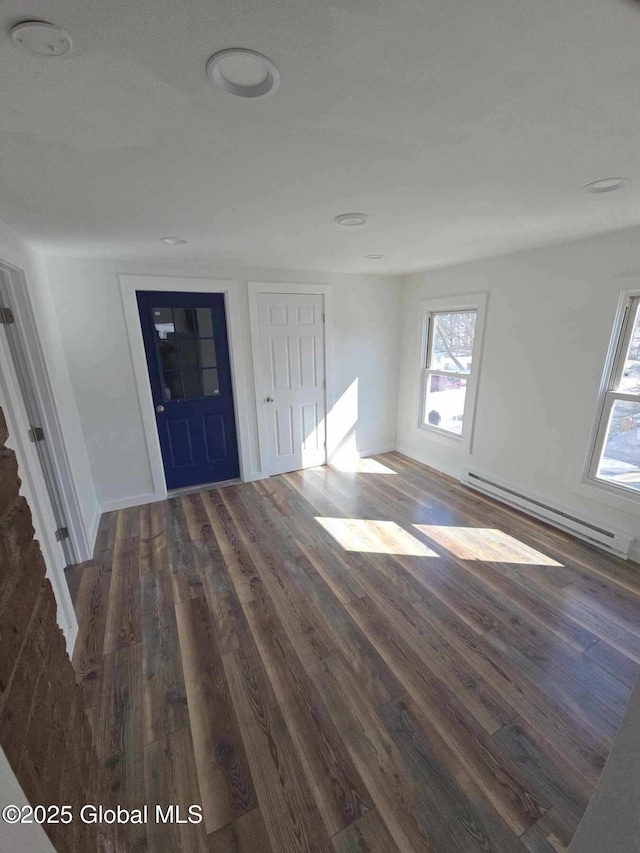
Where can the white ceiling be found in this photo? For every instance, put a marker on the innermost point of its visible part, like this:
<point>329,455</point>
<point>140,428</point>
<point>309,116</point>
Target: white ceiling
<point>463,128</point>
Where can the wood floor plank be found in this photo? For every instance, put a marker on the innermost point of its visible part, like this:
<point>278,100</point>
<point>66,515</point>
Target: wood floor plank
<point>225,784</point>
<point>196,518</point>
<point>91,612</point>
<point>231,544</point>
<point>123,622</point>
<point>301,622</point>
<point>187,582</point>
<point>551,719</point>
<point>503,785</point>
<point>367,835</point>
<point>374,754</point>
<point>550,777</point>
<point>590,693</point>
<point>118,733</point>
<point>247,834</point>
<point>614,662</point>
<point>219,593</point>
<point>153,543</point>
<point>552,834</point>
<point>164,695</point>
<point>487,706</point>
<point>335,783</point>
<point>292,818</point>
<point>171,780</point>
<point>455,811</point>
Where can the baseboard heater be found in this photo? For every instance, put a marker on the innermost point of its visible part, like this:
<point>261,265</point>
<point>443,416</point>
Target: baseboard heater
<point>610,540</point>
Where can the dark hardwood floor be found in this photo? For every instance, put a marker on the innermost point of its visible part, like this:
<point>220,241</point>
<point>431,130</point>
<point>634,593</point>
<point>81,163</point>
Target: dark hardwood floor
<point>375,661</point>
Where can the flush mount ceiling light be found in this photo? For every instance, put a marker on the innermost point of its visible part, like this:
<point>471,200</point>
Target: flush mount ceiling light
<point>41,38</point>
<point>173,241</point>
<point>243,73</point>
<point>606,185</point>
<point>374,257</point>
<point>351,219</point>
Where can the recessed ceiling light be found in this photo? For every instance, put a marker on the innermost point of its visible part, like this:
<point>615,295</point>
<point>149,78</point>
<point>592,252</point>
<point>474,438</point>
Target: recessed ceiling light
<point>375,257</point>
<point>243,73</point>
<point>173,241</point>
<point>606,185</point>
<point>41,38</point>
<point>351,219</point>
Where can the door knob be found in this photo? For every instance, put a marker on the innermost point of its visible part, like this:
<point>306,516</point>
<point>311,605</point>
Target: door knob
<point>159,408</point>
<point>269,400</point>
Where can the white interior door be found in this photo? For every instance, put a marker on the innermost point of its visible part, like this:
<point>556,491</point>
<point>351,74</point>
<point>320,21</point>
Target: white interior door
<point>293,380</point>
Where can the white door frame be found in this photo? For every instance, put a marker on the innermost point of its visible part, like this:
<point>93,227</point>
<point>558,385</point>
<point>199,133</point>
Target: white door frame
<point>324,290</point>
<point>129,284</point>
<point>36,370</point>
<point>33,488</point>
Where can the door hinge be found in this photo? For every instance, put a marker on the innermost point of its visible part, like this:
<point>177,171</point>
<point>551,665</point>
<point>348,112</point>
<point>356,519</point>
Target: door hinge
<point>323,318</point>
<point>6,317</point>
<point>36,434</point>
<point>62,533</point>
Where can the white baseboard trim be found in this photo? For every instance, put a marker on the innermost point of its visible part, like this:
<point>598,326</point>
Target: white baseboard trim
<point>136,500</point>
<point>456,473</point>
<point>92,532</point>
<point>375,451</point>
<point>634,551</point>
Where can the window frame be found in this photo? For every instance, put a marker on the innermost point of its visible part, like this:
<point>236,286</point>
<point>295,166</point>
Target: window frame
<point>628,308</point>
<point>450,305</point>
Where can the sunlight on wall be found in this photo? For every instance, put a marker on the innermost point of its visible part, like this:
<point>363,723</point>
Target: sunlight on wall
<point>374,537</point>
<point>483,543</point>
<point>342,421</point>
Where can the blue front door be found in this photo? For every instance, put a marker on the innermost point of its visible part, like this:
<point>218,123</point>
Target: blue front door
<point>185,339</point>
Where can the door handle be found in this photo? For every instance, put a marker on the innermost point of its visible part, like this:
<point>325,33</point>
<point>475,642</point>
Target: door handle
<point>159,408</point>
<point>269,400</point>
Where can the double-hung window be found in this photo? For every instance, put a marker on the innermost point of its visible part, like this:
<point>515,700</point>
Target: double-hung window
<point>616,455</point>
<point>450,355</point>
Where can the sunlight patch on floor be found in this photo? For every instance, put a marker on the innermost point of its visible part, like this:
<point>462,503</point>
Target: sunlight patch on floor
<point>484,543</point>
<point>361,466</point>
<point>374,537</point>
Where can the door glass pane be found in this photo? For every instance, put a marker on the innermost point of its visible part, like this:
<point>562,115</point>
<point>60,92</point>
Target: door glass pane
<point>210,382</point>
<point>205,323</point>
<point>185,345</point>
<point>168,355</point>
<point>163,322</point>
<point>208,353</point>
<point>172,385</point>
<point>444,404</point>
<point>620,461</point>
<point>189,354</point>
<point>192,381</point>
<point>451,341</point>
<point>186,321</point>
<point>630,379</point>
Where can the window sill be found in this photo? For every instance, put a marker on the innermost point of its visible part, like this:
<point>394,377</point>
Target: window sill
<point>441,432</point>
<point>630,496</point>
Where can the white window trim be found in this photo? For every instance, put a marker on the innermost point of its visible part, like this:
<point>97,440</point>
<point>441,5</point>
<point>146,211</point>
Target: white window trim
<point>614,365</point>
<point>470,302</point>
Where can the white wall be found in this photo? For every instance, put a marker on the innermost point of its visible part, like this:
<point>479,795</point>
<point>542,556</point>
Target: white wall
<point>16,838</point>
<point>550,316</point>
<point>90,317</point>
